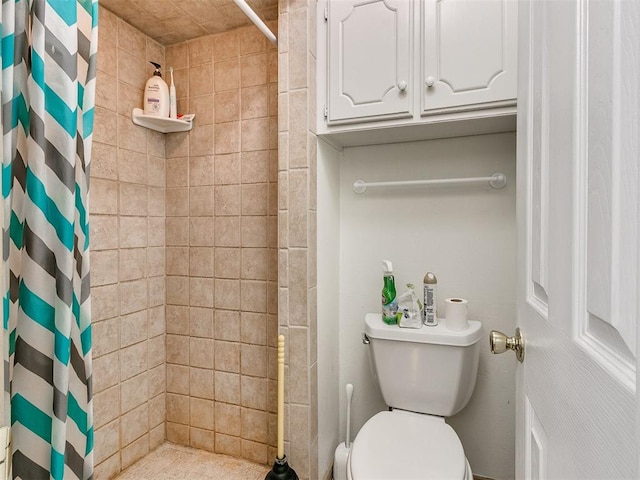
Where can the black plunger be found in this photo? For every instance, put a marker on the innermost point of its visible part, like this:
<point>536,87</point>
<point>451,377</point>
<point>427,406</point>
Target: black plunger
<point>281,469</point>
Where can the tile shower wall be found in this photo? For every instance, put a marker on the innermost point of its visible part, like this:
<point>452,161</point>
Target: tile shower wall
<point>221,236</point>
<point>297,295</point>
<point>127,206</point>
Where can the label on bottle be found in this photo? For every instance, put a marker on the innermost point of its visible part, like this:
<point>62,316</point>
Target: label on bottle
<point>153,106</point>
<point>389,301</point>
<point>430,305</point>
<point>389,311</point>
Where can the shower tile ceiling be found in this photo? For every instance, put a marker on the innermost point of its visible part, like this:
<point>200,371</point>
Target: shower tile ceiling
<point>174,21</point>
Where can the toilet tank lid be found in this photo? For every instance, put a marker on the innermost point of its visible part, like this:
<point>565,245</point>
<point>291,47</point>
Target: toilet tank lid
<point>440,335</point>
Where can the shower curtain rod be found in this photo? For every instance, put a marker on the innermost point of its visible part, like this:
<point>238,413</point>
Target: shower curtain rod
<point>248,11</point>
<point>497,180</point>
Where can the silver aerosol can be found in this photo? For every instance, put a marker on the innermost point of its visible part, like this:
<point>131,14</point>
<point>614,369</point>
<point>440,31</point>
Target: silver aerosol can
<point>430,318</point>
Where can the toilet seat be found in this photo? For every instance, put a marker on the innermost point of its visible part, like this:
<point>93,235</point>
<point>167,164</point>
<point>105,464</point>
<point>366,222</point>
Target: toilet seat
<point>402,445</point>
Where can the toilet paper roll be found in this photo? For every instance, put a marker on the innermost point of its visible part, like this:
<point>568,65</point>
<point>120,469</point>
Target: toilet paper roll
<point>456,313</point>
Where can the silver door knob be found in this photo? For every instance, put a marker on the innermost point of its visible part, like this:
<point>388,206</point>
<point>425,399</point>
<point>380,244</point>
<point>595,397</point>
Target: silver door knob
<point>500,343</point>
<point>430,81</point>
<point>402,85</point>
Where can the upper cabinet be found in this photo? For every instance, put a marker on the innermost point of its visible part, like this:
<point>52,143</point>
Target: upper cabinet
<point>468,54</point>
<point>370,59</point>
<point>440,67</point>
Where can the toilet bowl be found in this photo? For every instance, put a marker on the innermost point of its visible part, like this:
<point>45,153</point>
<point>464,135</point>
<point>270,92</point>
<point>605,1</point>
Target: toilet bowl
<point>402,445</point>
<point>424,375</point>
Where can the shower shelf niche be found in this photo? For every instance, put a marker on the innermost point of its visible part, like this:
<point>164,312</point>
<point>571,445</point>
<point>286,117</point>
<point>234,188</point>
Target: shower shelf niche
<point>162,124</point>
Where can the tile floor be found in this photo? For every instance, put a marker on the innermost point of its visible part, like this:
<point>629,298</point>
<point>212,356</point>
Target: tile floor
<point>170,462</point>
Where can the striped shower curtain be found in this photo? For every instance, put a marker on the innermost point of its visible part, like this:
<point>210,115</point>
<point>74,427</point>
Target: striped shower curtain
<point>48,50</point>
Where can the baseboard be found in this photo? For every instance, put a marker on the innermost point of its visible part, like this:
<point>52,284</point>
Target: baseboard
<point>478,477</point>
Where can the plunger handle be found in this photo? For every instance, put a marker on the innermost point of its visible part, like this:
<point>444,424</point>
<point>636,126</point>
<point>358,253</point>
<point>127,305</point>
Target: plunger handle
<point>281,396</point>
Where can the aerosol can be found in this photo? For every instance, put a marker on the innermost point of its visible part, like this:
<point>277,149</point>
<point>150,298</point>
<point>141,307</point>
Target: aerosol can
<point>430,290</point>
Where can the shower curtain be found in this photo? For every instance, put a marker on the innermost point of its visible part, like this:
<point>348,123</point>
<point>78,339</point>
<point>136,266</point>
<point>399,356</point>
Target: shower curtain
<point>48,50</point>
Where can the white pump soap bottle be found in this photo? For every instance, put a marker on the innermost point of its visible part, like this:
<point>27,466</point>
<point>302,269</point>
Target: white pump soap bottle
<point>156,95</point>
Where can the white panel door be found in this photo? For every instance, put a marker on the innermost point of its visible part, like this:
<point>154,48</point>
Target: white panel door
<point>579,208</point>
<point>469,54</point>
<point>369,60</point>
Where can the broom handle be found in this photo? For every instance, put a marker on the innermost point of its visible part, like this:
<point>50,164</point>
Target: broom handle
<point>281,396</point>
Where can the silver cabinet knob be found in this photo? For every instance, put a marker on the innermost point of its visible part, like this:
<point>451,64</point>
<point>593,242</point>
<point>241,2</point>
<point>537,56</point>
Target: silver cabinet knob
<point>430,81</point>
<point>500,343</point>
<point>402,85</point>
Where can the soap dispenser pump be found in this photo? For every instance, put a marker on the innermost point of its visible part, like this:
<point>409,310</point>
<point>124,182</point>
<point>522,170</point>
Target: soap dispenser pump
<point>156,94</point>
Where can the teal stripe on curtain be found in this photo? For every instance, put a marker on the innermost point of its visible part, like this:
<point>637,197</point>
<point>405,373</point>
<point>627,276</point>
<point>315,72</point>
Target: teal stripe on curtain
<point>62,347</point>
<point>12,342</point>
<point>78,415</point>
<point>85,340</point>
<point>87,120</point>
<point>44,314</point>
<point>7,51</point>
<point>82,215</point>
<point>75,309</point>
<point>16,231</point>
<point>57,465</point>
<point>94,15</point>
<point>59,110</point>
<point>37,69</point>
<point>38,195</point>
<point>80,94</point>
<point>37,309</point>
<point>49,315</point>
<point>6,180</point>
<point>31,417</point>
<point>20,113</point>
<point>90,437</point>
<point>66,9</point>
<point>5,312</point>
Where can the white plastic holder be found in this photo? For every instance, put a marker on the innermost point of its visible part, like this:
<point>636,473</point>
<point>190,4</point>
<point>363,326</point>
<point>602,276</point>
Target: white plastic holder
<point>162,124</point>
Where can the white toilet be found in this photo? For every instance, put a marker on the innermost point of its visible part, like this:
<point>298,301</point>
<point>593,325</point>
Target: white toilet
<point>425,375</point>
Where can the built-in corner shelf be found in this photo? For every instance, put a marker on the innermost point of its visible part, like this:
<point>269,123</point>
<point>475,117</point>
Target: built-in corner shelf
<point>161,124</point>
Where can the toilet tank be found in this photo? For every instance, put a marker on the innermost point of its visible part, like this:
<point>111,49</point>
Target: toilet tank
<point>429,370</point>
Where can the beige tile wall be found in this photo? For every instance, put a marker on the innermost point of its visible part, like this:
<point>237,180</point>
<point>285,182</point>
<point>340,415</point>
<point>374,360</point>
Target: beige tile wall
<point>127,207</point>
<point>222,246</point>
<point>297,297</point>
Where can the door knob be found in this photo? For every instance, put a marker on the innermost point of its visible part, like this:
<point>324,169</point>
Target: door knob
<point>402,85</point>
<point>500,343</point>
<point>430,81</point>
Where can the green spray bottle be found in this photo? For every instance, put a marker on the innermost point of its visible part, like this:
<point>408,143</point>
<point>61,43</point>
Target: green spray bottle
<point>389,301</point>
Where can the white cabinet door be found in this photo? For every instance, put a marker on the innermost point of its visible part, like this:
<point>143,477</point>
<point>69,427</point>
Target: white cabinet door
<point>369,60</point>
<point>469,56</point>
<point>579,241</point>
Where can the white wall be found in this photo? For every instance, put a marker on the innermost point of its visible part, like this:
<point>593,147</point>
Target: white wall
<point>328,294</point>
<point>466,235</point>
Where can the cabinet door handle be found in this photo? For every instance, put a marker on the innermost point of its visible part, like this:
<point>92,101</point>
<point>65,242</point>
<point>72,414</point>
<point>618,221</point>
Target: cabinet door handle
<point>402,85</point>
<point>430,81</point>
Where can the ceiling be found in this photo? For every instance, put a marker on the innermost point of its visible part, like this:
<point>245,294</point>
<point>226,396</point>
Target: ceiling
<point>174,21</point>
